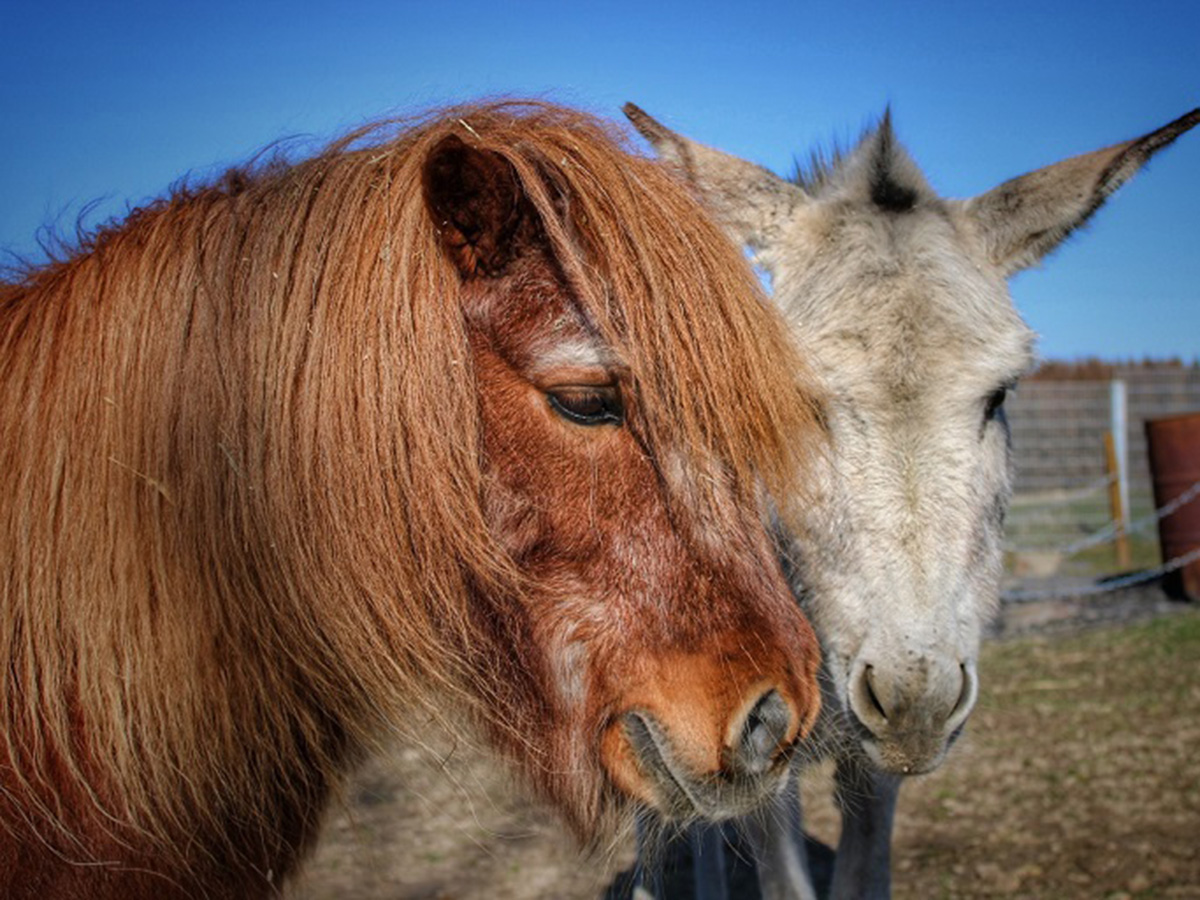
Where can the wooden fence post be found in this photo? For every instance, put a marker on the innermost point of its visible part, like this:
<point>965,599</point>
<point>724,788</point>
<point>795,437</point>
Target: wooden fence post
<point>1116,504</point>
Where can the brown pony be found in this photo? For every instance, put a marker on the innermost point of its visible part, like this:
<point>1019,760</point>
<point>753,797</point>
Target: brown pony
<point>469,414</point>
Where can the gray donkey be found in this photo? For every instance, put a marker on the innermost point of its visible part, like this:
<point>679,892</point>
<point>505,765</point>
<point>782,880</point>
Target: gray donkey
<point>899,299</point>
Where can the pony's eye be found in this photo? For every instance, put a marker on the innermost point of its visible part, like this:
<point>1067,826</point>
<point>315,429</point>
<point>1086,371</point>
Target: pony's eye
<point>995,402</point>
<point>588,405</point>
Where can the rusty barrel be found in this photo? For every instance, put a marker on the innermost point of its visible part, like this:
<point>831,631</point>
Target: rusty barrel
<point>1173,444</point>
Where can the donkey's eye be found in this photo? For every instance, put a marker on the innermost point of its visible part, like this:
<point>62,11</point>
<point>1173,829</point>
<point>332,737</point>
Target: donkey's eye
<point>994,403</point>
<point>588,405</point>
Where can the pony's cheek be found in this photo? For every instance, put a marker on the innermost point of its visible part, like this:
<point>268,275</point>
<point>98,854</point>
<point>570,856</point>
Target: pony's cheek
<point>512,519</point>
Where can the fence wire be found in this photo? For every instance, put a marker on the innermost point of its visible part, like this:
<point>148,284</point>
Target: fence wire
<point>1109,532</point>
<point>1106,535</point>
<point>1103,587</point>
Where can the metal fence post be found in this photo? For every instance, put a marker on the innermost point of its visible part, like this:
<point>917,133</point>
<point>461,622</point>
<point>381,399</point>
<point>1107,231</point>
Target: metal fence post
<point>1119,424</point>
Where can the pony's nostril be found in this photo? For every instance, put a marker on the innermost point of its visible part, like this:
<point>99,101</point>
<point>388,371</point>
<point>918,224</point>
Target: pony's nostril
<point>767,727</point>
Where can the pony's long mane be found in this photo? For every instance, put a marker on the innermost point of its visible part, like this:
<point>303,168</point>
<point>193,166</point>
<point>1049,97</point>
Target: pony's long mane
<point>241,467</point>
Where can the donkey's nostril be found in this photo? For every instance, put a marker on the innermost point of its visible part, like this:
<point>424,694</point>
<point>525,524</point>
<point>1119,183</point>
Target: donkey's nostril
<point>872,697</point>
<point>767,727</point>
<point>966,696</point>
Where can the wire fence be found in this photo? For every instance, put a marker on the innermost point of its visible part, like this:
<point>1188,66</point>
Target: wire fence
<point>1061,521</point>
<point>1112,528</point>
<point>1025,595</point>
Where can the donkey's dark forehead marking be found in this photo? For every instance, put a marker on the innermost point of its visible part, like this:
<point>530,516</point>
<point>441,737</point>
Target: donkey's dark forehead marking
<point>891,196</point>
<point>878,170</point>
<point>887,192</point>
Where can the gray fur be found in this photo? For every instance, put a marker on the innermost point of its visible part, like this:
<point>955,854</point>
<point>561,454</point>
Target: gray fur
<point>899,299</point>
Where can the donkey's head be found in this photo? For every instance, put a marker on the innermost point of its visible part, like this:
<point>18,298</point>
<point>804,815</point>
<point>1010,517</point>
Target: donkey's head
<point>900,300</point>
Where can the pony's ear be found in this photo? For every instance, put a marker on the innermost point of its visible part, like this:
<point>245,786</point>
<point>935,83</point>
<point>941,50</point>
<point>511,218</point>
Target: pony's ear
<point>475,200</point>
<point>1024,219</point>
<point>752,203</point>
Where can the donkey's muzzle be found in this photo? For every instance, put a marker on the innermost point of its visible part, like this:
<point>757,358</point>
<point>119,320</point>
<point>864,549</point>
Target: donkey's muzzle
<point>912,711</point>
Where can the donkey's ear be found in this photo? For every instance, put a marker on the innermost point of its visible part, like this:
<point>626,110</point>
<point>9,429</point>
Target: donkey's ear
<point>475,200</point>
<point>1024,219</point>
<point>752,203</point>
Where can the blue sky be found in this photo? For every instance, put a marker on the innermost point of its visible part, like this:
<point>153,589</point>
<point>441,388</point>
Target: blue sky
<point>111,103</point>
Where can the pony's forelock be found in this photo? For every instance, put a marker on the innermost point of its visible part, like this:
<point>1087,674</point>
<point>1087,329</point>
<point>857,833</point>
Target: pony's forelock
<point>669,293</point>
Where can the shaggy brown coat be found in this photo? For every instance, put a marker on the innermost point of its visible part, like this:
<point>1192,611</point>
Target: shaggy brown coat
<point>241,471</point>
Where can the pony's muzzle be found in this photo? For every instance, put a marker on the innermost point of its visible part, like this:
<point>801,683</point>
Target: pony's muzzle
<point>687,765</point>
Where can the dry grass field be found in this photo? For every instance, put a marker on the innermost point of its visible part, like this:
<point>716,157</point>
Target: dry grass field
<point>1079,777</point>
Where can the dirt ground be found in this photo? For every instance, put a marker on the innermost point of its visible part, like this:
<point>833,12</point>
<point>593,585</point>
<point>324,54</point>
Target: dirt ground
<point>1079,777</point>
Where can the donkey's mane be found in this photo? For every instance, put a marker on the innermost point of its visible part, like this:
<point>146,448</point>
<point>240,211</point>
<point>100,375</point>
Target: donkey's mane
<point>241,465</point>
<point>876,166</point>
